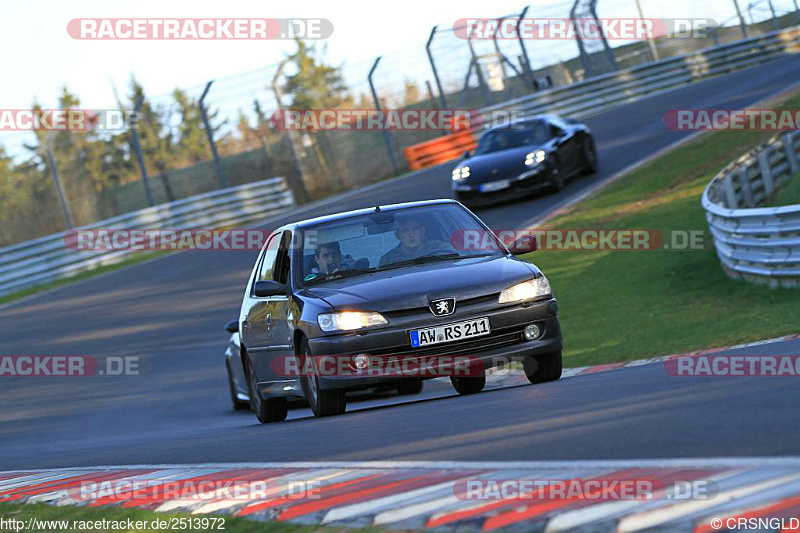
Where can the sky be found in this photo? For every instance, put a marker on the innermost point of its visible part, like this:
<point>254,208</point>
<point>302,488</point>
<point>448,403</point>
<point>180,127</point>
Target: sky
<point>40,57</point>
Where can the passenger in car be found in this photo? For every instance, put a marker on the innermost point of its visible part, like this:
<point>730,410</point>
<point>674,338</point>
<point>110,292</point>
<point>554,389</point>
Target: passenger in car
<point>413,242</point>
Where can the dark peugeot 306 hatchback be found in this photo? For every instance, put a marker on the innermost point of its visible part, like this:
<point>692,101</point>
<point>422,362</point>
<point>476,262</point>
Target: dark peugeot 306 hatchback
<point>390,282</point>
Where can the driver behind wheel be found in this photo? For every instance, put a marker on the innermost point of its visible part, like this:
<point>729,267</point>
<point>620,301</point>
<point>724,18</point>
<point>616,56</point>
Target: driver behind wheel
<point>329,259</point>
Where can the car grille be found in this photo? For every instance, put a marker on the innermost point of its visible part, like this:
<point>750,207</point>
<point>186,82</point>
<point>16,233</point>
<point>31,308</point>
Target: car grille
<point>495,339</point>
<point>461,305</point>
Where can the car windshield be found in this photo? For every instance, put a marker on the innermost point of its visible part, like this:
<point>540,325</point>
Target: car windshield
<point>498,140</point>
<point>390,240</point>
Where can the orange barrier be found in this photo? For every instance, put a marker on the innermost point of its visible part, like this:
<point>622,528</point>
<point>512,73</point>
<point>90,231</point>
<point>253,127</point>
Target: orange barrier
<point>440,150</point>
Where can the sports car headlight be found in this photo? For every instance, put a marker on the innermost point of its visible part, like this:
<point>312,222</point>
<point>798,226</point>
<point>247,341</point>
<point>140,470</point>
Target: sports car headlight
<point>527,290</point>
<point>535,158</point>
<point>349,320</point>
<point>460,173</point>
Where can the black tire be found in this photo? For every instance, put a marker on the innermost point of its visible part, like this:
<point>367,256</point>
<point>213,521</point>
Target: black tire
<point>470,385</point>
<point>412,386</point>
<point>322,403</point>
<point>543,368</point>
<point>590,163</point>
<point>266,410</point>
<point>556,175</point>
<point>238,405</point>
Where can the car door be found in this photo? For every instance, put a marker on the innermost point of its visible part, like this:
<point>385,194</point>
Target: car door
<point>567,147</point>
<point>256,325</point>
<point>281,308</point>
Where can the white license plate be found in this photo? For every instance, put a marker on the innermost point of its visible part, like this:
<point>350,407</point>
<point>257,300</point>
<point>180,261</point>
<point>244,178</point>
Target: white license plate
<point>495,185</point>
<point>450,332</point>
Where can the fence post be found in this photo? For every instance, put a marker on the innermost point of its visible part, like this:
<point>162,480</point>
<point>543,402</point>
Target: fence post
<point>210,135</point>
<point>435,72</point>
<point>299,186</point>
<point>59,188</point>
<point>132,127</point>
<point>387,137</point>
<point>742,23</point>
<point>526,67</point>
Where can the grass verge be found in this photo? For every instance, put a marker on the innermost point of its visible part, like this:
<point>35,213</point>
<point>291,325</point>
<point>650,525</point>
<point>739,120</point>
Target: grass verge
<point>788,194</point>
<point>623,305</point>
<point>71,517</point>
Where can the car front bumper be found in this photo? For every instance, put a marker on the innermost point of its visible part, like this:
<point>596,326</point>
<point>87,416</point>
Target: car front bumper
<point>530,181</point>
<point>504,343</point>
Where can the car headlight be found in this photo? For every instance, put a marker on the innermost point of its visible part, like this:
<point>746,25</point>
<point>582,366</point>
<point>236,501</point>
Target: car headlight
<point>349,320</point>
<point>460,173</point>
<point>527,290</point>
<point>535,158</point>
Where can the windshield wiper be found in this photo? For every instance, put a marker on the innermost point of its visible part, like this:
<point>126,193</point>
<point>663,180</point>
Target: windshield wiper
<point>339,275</point>
<point>430,259</point>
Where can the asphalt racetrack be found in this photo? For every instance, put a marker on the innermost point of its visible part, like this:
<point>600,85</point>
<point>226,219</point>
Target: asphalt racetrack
<point>173,310</point>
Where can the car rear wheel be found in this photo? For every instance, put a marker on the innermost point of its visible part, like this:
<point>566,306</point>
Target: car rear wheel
<point>322,402</point>
<point>589,156</point>
<point>470,385</point>
<point>543,368</point>
<point>409,387</point>
<point>238,405</point>
<point>266,410</point>
<point>556,175</point>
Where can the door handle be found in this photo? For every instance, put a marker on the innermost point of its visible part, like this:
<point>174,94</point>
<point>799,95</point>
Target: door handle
<point>268,319</point>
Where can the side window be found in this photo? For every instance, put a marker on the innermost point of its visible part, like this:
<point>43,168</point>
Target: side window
<point>283,263</point>
<point>267,269</point>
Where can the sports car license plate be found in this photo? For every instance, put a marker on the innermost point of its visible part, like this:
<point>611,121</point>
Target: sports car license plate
<point>495,186</point>
<point>450,332</point>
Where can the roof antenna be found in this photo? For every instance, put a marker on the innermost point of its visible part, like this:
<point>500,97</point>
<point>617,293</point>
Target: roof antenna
<point>377,209</point>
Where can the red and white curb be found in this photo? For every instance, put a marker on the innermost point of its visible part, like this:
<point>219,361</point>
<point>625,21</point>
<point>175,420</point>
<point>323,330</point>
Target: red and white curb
<point>423,495</point>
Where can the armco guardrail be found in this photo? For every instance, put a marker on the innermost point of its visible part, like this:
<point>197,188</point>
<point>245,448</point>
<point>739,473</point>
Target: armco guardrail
<point>760,244</point>
<point>48,259</point>
<point>610,90</point>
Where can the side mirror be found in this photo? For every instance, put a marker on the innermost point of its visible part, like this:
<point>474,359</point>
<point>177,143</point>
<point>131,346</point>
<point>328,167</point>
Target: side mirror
<point>232,326</point>
<point>466,155</point>
<point>524,245</point>
<point>266,288</point>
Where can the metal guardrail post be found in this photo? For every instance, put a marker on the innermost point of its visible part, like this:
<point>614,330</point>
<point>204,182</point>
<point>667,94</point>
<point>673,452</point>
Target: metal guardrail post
<point>791,156</point>
<point>217,163</point>
<point>387,137</point>
<point>766,172</point>
<point>132,127</point>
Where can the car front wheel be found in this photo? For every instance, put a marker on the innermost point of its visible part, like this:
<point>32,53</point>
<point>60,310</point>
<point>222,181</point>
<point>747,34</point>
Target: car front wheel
<point>543,368</point>
<point>322,402</point>
<point>266,410</point>
<point>238,405</point>
<point>470,385</point>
